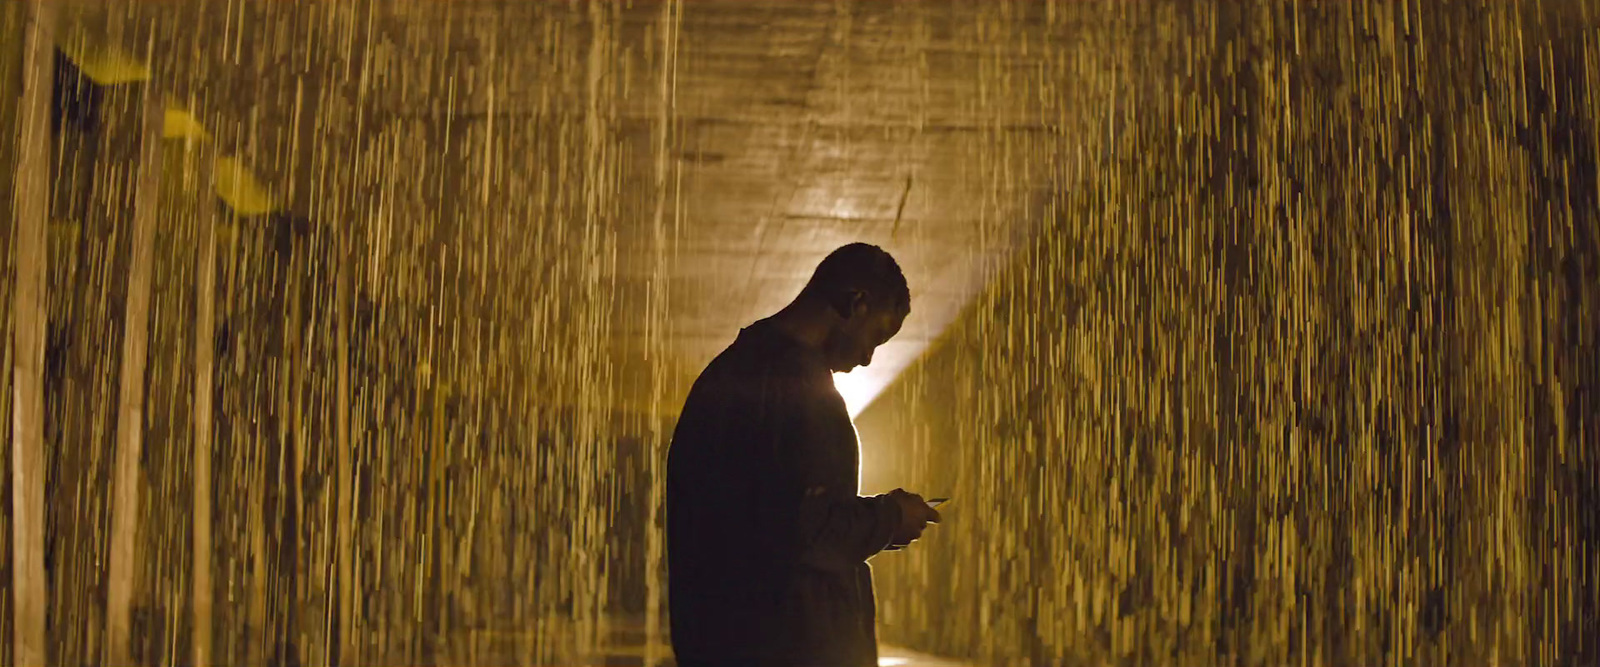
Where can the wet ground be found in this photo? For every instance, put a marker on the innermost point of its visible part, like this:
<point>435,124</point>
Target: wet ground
<point>628,645</point>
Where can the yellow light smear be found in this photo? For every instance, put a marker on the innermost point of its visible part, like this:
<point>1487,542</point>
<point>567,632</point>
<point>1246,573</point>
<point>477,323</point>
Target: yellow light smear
<point>102,63</point>
<point>180,124</point>
<point>240,189</point>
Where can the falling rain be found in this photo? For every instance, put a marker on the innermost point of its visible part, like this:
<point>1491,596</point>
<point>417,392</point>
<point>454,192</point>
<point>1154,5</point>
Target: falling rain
<point>354,333</point>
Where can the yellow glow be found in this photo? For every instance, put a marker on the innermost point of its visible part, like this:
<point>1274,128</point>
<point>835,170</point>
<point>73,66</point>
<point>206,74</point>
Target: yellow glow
<point>104,64</point>
<point>862,386</point>
<point>858,389</point>
<point>180,124</point>
<point>240,189</point>
<point>891,662</point>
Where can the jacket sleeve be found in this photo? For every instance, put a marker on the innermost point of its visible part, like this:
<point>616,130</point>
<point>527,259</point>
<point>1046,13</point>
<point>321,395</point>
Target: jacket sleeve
<point>835,529</point>
<point>838,533</point>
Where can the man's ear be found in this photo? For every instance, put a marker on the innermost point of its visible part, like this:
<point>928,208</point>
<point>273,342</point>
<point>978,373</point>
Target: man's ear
<point>849,303</point>
<point>843,303</point>
<point>860,302</point>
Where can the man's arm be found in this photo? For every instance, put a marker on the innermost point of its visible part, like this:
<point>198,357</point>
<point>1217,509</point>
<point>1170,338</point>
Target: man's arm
<point>835,528</point>
<point>838,532</point>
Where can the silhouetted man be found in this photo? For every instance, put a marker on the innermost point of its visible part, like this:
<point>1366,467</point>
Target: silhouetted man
<point>767,539</point>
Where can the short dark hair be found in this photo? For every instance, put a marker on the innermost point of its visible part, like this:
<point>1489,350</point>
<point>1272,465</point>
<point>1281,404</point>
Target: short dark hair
<point>861,266</point>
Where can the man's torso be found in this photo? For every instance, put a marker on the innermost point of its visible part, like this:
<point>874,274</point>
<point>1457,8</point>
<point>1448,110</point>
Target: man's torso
<point>735,589</point>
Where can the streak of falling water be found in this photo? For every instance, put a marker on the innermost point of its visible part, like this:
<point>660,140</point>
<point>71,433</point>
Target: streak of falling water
<point>454,180</point>
<point>658,318</point>
<point>1292,360</point>
<point>1291,372</point>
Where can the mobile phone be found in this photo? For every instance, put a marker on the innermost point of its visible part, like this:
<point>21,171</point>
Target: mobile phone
<point>935,502</point>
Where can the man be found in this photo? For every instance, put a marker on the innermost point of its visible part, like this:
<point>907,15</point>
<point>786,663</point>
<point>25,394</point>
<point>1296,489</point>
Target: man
<point>767,539</point>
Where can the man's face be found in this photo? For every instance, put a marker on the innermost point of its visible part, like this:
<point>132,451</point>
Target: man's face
<point>868,326</point>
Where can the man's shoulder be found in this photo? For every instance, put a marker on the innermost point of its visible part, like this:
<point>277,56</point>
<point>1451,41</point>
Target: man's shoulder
<point>747,372</point>
<point>754,354</point>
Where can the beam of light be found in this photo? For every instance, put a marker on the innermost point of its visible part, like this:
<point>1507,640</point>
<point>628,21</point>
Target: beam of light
<point>858,388</point>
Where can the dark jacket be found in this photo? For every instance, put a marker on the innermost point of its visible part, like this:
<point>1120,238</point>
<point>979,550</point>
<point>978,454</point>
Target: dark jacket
<point>767,540</point>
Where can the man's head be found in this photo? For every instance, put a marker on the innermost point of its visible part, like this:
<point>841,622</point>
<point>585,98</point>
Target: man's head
<point>866,298</point>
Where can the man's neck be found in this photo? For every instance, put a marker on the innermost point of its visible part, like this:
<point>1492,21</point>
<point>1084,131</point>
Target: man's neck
<point>805,320</point>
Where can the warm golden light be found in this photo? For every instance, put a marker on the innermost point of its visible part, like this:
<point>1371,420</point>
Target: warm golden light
<point>1242,333</point>
<point>858,388</point>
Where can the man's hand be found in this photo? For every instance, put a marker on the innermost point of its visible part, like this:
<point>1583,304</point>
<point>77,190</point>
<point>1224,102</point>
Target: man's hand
<point>915,515</point>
